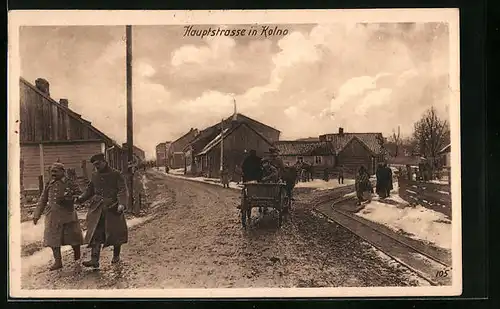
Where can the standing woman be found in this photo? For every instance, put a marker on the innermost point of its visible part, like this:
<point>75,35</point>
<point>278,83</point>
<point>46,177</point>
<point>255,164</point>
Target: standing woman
<point>362,184</point>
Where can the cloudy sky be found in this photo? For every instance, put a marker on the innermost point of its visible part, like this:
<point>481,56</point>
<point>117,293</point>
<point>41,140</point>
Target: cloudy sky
<point>363,77</point>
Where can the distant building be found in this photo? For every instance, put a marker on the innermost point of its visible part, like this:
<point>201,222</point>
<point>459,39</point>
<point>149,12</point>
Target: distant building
<point>319,154</point>
<point>161,154</point>
<point>241,134</point>
<point>175,153</point>
<point>50,131</point>
<point>353,150</point>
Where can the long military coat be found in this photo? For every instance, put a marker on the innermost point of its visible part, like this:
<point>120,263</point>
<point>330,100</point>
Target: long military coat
<point>61,220</point>
<point>107,190</point>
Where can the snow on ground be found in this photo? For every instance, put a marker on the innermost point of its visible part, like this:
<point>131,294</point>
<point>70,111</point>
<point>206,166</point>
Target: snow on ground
<point>440,182</point>
<point>179,171</point>
<point>33,233</point>
<point>320,185</point>
<point>419,222</point>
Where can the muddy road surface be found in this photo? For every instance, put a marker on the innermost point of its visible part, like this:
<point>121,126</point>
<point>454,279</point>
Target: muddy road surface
<point>195,240</point>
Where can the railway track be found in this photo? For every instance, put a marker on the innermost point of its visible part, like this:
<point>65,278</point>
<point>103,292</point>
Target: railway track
<point>432,269</point>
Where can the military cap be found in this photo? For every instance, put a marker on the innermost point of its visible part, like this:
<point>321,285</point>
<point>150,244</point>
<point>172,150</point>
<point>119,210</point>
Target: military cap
<point>57,166</point>
<point>97,157</point>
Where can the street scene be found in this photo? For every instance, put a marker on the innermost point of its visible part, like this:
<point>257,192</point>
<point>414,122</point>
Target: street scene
<point>224,156</point>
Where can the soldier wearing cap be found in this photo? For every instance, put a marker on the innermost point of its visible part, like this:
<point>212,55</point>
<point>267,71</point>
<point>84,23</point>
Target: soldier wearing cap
<point>61,221</point>
<point>276,161</point>
<point>106,224</point>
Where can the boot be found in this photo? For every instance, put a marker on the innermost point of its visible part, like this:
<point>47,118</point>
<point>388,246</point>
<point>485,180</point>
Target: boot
<point>76,252</point>
<point>56,251</point>
<point>116,254</point>
<point>94,257</point>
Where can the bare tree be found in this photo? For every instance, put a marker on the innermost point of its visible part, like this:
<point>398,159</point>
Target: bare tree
<point>431,134</point>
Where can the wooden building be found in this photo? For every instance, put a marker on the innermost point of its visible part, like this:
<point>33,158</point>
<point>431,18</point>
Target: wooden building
<point>175,153</point>
<point>259,135</point>
<point>315,153</point>
<point>356,149</point>
<point>50,131</point>
<point>238,139</point>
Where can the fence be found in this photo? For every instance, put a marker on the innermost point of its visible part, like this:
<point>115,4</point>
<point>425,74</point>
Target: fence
<point>431,195</point>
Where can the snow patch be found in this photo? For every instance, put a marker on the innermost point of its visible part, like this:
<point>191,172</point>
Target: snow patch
<point>421,223</point>
<point>321,185</point>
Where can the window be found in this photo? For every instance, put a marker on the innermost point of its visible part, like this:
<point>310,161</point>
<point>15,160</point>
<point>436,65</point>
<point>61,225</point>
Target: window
<point>318,160</point>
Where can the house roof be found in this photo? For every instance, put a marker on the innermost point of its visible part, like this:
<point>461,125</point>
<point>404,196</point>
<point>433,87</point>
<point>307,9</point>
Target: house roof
<point>205,136</point>
<point>370,140</point>
<point>227,132</point>
<point>69,112</point>
<point>304,148</point>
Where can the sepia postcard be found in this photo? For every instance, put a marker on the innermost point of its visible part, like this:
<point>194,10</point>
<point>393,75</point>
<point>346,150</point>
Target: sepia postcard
<point>234,154</point>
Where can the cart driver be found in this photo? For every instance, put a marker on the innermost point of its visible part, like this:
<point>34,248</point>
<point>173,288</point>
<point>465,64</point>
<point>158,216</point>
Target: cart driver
<point>270,173</point>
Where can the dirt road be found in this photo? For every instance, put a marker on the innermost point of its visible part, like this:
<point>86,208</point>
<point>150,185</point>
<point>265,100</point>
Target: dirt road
<point>195,240</point>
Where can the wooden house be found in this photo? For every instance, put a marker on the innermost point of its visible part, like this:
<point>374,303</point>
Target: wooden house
<point>175,152</point>
<point>237,140</point>
<point>353,150</point>
<point>315,153</point>
<point>260,136</point>
<point>50,131</point>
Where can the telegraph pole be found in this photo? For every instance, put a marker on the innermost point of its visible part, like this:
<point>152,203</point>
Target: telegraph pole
<point>221,144</point>
<point>130,123</point>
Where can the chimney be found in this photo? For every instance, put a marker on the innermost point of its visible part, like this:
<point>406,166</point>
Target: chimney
<point>341,131</point>
<point>64,102</point>
<point>42,85</point>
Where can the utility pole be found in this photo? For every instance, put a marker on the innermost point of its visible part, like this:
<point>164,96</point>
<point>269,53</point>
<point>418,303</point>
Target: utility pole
<point>130,123</point>
<point>221,144</point>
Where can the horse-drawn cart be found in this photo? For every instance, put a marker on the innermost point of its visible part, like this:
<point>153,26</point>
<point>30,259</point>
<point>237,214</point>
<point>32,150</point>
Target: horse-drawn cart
<point>271,195</point>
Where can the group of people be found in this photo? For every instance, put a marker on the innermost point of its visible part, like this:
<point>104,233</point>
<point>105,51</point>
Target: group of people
<point>363,185</point>
<point>106,224</point>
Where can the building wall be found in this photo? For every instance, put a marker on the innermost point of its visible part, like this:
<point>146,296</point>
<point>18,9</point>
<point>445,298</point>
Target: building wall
<point>174,158</point>
<point>38,158</point>
<point>236,147</point>
<point>161,152</point>
<point>323,161</point>
<point>355,155</point>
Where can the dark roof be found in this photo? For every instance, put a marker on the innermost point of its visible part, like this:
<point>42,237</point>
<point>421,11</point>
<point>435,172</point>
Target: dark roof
<point>70,112</point>
<point>308,139</point>
<point>184,135</point>
<point>208,134</point>
<point>370,140</point>
<point>304,148</point>
<point>227,132</point>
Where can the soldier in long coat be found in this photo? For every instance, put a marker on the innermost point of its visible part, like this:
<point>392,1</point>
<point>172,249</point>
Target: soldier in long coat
<point>106,224</point>
<point>61,220</point>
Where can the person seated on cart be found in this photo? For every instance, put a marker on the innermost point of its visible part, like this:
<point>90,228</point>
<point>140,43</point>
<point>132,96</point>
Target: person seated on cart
<point>270,174</point>
<point>252,167</point>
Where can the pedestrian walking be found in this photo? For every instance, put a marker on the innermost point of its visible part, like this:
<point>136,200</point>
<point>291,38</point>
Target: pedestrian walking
<point>61,220</point>
<point>106,224</point>
<point>381,187</point>
<point>363,185</point>
<point>224,177</point>
<point>341,174</point>
<point>389,185</point>
<point>326,174</point>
